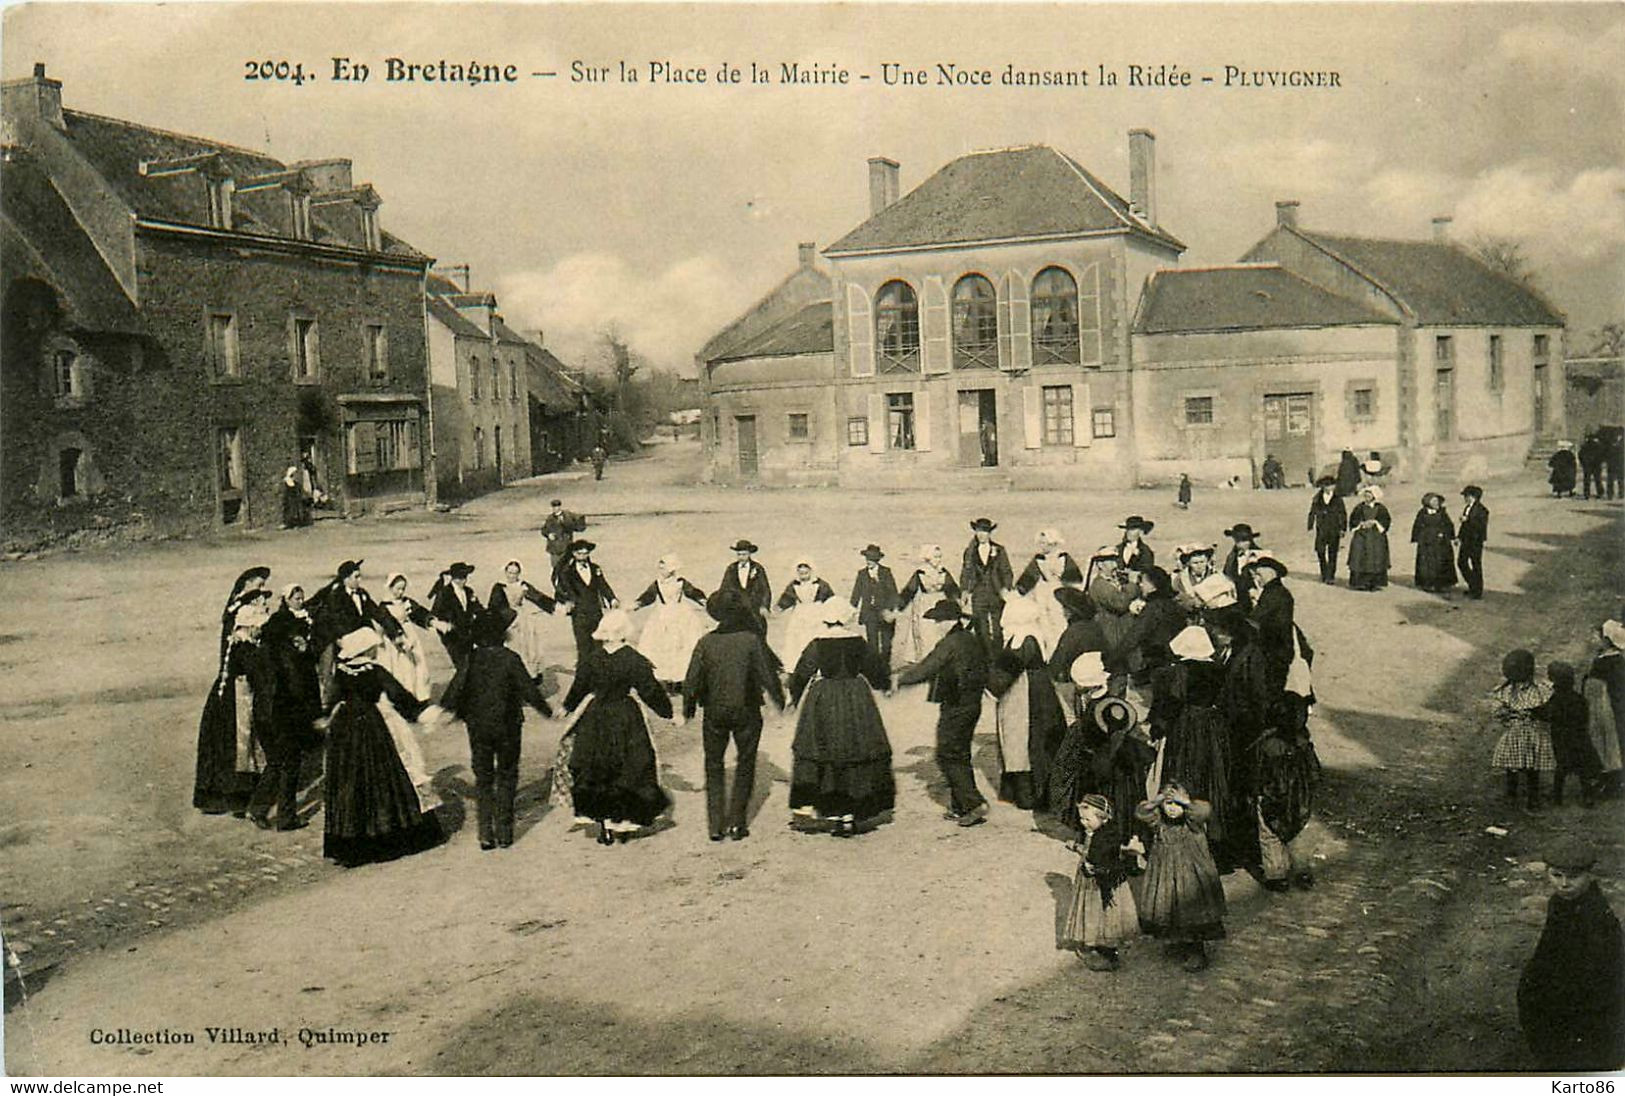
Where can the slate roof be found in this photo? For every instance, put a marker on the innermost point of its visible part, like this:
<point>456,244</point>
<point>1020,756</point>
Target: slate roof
<point>808,331</point>
<point>43,240</point>
<point>1243,298</point>
<point>1439,282</point>
<point>809,283</point>
<point>455,320</point>
<point>1002,194</point>
<point>116,149</point>
<point>548,384</point>
<point>508,335</point>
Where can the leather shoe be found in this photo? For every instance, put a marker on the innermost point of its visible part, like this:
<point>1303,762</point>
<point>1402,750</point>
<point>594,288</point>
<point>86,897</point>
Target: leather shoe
<point>487,846</point>
<point>718,836</point>
<point>739,833</point>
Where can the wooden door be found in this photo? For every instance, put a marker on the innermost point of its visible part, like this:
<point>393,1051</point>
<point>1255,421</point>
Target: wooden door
<point>1289,434</point>
<point>1444,404</point>
<point>970,429</point>
<point>746,425</point>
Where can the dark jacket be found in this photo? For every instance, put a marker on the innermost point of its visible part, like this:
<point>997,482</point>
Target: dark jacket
<point>1328,519</point>
<point>986,583</point>
<point>1571,998</point>
<point>1244,585</point>
<point>874,596</point>
<point>589,599</point>
<point>687,590</point>
<point>334,614</point>
<point>822,591</point>
<point>730,672</point>
<point>1080,637</point>
<point>1031,575</point>
<point>1475,527</point>
<point>758,592</point>
<point>499,597</point>
<point>956,669</point>
<point>1271,618</point>
<point>916,586</point>
<point>559,530</point>
<point>490,693</point>
<point>443,603</point>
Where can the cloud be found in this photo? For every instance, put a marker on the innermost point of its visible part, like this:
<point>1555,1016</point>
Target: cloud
<point>1560,51</point>
<point>1579,218</point>
<point>665,315</point>
<point>1411,194</point>
<point>1300,168</point>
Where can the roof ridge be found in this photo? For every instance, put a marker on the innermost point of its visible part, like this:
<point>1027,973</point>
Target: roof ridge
<point>1089,181</point>
<point>1391,293</point>
<point>1263,265</point>
<point>223,145</point>
<point>1006,148</point>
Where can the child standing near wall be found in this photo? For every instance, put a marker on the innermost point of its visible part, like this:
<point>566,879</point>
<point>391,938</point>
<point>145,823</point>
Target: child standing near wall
<point>1184,501</point>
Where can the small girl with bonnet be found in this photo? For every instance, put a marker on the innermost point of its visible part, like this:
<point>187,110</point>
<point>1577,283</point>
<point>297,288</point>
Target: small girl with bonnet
<point>1525,745</point>
<point>1182,898</point>
<point>1102,915</point>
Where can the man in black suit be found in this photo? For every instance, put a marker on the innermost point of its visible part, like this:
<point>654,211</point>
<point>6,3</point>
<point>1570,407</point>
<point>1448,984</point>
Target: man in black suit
<point>1472,532</point>
<point>957,671</point>
<point>451,601</point>
<point>581,583</point>
<point>728,675</point>
<point>559,529</point>
<point>489,694</point>
<point>338,609</point>
<point>985,577</point>
<point>1328,520</point>
<point>874,595</point>
<point>749,578</point>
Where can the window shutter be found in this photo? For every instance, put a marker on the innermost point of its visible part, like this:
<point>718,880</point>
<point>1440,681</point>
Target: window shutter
<point>1083,417</point>
<point>1032,416</point>
<point>1090,346</point>
<point>1021,324</point>
<point>877,422</point>
<point>922,420</point>
<point>938,354</point>
<point>363,448</point>
<point>1006,351</point>
<point>414,457</point>
<point>860,332</point>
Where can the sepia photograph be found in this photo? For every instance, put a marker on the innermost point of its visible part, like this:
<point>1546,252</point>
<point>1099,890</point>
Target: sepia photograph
<point>919,539</point>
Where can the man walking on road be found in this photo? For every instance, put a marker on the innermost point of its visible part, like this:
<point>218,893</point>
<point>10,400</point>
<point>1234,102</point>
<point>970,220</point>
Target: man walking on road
<point>559,528</point>
<point>1328,520</point>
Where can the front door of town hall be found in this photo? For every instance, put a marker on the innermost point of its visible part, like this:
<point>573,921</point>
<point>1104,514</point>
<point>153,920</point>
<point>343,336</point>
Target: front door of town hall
<point>1289,434</point>
<point>978,428</point>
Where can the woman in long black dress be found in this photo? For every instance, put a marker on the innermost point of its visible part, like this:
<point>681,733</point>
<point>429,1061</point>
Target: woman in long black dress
<point>1187,717</point>
<point>1028,713</point>
<point>1368,541</point>
<point>1432,532</point>
<point>373,811</point>
<point>237,712</point>
<point>841,771</point>
<point>296,705</point>
<point>613,780</point>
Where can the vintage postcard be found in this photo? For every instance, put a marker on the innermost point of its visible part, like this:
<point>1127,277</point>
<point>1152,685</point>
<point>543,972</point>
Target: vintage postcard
<point>833,538</point>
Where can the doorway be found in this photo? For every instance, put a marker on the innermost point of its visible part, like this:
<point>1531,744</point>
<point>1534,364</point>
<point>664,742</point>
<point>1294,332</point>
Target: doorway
<point>497,435</point>
<point>979,428</point>
<point>1444,404</point>
<point>1289,434</point>
<point>746,427</point>
<point>1540,400</point>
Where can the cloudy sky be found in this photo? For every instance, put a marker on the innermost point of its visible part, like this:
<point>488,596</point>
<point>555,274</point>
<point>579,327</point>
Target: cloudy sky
<point>665,210</point>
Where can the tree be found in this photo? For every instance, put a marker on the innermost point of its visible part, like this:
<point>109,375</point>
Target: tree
<point>1608,341</point>
<point>1504,256</point>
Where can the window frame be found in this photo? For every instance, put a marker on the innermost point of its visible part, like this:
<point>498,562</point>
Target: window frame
<point>1110,414</point>
<point>902,431</point>
<point>1495,353</point>
<point>907,358</point>
<point>229,445</point>
<point>1444,351</point>
<point>479,449</point>
<point>1541,349</point>
<point>1058,429</point>
<point>1186,399</point>
<point>375,334</point>
<point>228,348</point>
<point>473,378</point>
<point>790,434</point>
<point>983,310</point>
<point>853,438</point>
<point>1067,347</point>
<point>305,347</point>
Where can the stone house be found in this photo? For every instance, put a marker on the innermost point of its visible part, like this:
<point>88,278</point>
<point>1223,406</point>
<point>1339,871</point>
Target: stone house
<point>185,319</point>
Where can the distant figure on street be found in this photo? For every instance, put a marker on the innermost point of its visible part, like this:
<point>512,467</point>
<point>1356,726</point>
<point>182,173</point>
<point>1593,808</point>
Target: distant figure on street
<point>1348,474</point>
<point>1471,533</point>
<point>1562,464</point>
<point>1273,475</point>
<point>1328,520</point>
<point>489,694</point>
<point>1183,501</point>
<point>599,456</point>
<point>1368,541</point>
<point>1592,453</point>
<point>559,528</point>
<point>1243,542</point>
<point>1613,456</point>
<point>295,507</point>
<point>1373,467</point>
<point>1433,533</point>
<point>874,595</point>
<point>957,670</point>
<point>1571,998</point>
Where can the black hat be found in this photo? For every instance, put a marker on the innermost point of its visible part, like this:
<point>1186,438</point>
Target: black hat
<point>556,502</point>
<point>1326,481</point>
<point>987,524</point>
<point>1113,714</point>
<point>1241,531</point>
<point>1473,490</point>
<point>946,611</point>
<point>1570,855</point>
<point>743,545</point>
<point>726,605</point>
<point>1075,603</point>
<point>491,627</point>
<point>1135,521</point>
<point>578,545</point>
<point>872,552</point>
<point>460,569</point>
<point>1267,560</point>
<point>1432,495</point>
<point>348,568</point>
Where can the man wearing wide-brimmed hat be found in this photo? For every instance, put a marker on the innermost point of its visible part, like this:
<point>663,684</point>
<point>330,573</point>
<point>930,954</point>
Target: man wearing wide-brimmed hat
<point>984,578</point>
<point>1328,520</point>
<point>338,609</point>
<point>581,583</point>
<point>1243,541</point>
<point>1471,533</point>
<point>1136,554</point>
<point>957,670</point>
<point>874,595</point>
<point>451,601</point>
<point>749,579</point>
<point>489,694</point>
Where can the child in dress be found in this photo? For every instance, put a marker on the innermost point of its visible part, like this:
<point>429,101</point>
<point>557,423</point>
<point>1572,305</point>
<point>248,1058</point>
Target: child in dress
<point>1184,502</point>
<point>1525,745</point>
<point>1183,896</point>
<point>1566,717</point>
<point>1102,916</point>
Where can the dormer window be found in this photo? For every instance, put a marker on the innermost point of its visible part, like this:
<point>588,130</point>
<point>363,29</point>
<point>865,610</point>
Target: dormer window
<point>220,195</point>
<point>299,214</point>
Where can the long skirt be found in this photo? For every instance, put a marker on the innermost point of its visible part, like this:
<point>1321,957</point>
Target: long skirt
<point>1090,923</point>
<point>526,638</point>
<point>1196,753</point>
<point>1182,897</point>
<point>842,761</point>
<point>404,735</point>
<point>409,666</point>
<point>229,756</point>
<point>804,626</point>
<point>916,636</point>
<point>612,765</point>
<point>1368,559</point>
<point>372,810</point>
<point>669,635</point>
<point>1435,566</point>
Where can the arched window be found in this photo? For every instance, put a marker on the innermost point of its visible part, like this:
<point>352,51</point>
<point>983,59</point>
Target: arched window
<point>976,324</point>
<point>1055,317</point>
<point>897,329</point>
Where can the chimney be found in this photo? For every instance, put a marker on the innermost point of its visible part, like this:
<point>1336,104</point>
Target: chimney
<point>1142,174</point>
<point>541,337</point>
<point>1441,229</point>
<point>1286,214</point>
<point>805,253</point>
<point>882,183</point>
<point>38,96</point>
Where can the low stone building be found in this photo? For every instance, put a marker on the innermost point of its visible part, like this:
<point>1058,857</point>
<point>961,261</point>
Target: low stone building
<point>184,319</point>
<point>563,428</point>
